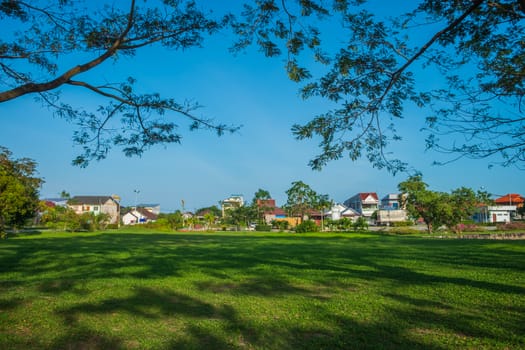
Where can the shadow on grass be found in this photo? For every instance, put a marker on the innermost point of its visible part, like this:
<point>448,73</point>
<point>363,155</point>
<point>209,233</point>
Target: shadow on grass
<point>264,266</point>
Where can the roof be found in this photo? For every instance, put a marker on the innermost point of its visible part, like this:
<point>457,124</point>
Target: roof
<point>93,200</point>
<point>365,195</point>
<point>145,213</point>
<point>511,198</point>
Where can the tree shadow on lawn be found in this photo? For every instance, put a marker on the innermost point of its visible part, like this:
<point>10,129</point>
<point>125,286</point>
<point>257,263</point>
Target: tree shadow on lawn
<point>437,318</point>
<point>238,333</point>
<point>66,264</point>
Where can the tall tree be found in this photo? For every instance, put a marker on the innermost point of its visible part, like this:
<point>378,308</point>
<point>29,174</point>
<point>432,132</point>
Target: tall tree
<point>476,45</point>
<point>19,188</point>
<point>301,199</point>
<point>41,39</point>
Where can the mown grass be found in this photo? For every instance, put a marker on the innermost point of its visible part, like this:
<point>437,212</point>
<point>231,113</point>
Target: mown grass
<point>139,290</point>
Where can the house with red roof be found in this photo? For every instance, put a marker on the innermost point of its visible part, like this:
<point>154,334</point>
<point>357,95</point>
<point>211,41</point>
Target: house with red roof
<point>502,210</point>
<point>365,203</point>
<point>510,199</point>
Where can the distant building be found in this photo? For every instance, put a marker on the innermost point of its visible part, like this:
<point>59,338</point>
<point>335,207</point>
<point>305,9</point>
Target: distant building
<point>365,203</point>
<point>339,211</point>
<point>234,201</point>
<point>391,202</point>
<point>138,216</point>
<point>152,208</point>
<point>96,205</point>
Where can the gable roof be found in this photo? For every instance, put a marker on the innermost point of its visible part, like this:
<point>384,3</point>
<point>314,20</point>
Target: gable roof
<point>92,200</point>
<point>365,195</point>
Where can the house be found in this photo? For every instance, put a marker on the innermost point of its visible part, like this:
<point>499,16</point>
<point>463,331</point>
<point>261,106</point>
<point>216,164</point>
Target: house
<point>510,199</point>
<point>494,213</point>
<point>339,211</point>
<point>365,203</point>
<point>152,208</point>
<point>234,201</point>
<point>97,204</point>
<point>389,216</point>
<point>391,210</point>
<point>503,210</point>
<point>391,202</point>
<point>55,202</point>
<point>138,216</point>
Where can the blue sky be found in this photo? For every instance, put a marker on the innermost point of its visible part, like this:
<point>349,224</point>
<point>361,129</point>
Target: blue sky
<point>247,89</point>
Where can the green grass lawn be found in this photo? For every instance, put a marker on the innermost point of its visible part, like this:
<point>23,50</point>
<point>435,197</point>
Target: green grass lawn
<point>139,290</point>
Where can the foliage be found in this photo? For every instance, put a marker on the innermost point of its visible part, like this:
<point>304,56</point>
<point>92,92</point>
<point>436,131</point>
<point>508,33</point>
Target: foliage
<point>259,204</point>
<point>57,217</point>
<point>173,221</point>
<point>401,223</point>
<point>19,188</point>
<point>50,45</point>
<point>307,226</point>
<point>511,226</point>
<point>281,225</point>
<point>263,228</point>
<point>437,208</point>
<point>377,71</point>
<point>214,210</point>
<point>360,224</point>
<point>301,199</point>
<point>240,216</point>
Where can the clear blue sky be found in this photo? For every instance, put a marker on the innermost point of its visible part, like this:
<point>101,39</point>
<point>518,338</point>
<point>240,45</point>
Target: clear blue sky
<point>248,89</point>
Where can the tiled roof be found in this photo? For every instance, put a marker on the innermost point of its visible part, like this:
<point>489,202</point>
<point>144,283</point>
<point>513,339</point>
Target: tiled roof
<point>513,198</point>
<point>364,195</point>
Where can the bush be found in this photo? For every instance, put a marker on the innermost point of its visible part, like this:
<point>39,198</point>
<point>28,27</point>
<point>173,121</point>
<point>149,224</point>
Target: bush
<point>281,225</point>
<point>306,226</point>
<point>263,227</point>
<point>402,223</point>
<point>360,224</point>
<point>511,226</point>
<point>402,231</point>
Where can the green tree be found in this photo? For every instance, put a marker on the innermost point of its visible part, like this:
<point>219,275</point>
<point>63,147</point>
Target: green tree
<point>51,44</point>
<point>258,203</point>
<point>301,199</point>
<point>19,188</point>
<point>475,45</point>
<point>209,219</point>
<point>241,216</point>
<point>437,208</point>
<point>423,203</point>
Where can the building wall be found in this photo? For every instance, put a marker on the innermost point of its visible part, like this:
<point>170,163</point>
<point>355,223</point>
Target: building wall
<point>390,216</point>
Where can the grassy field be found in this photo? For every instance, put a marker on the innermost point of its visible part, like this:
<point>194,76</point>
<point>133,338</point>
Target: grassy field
<point>139,290</point>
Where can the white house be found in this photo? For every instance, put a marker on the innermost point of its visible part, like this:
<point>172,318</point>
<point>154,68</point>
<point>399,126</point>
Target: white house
<point>494,213</point>
<point>138,216</point>
<point>234,201</point>
<point>339,211</point>
<point>365,203</point>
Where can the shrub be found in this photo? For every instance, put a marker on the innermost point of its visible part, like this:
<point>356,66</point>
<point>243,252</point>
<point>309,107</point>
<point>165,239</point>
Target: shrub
<point>510,226</point>
<point>403,231</point>
<point>281,225</point>
<point>263,227</point>
<point>402,223</point>
<point>360,224</point>
<point>306,226</point>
